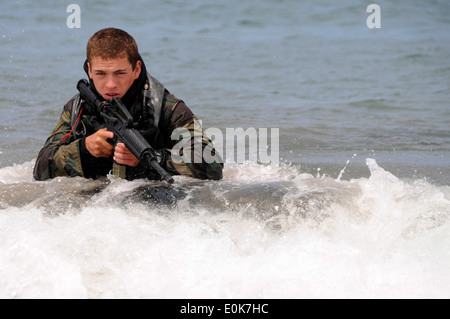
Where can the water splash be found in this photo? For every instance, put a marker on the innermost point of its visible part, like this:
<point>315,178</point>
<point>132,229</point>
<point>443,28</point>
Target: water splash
<point>259,233</point>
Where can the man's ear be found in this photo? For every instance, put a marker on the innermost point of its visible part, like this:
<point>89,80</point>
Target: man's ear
<point>137,70</point>
<point>89,70</point>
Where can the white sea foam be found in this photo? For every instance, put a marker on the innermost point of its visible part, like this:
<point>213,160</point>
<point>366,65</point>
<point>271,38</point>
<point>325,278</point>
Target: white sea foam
<point>376,237</point>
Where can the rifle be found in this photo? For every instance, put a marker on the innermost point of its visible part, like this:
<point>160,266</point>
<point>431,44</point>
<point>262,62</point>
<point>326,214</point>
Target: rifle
<point>119,120</point>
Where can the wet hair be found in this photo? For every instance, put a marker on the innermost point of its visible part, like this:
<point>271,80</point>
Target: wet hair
<point>112,43</point>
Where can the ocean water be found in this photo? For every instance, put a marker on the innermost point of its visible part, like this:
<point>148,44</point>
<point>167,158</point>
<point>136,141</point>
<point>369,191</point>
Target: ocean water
<point>358,207</point>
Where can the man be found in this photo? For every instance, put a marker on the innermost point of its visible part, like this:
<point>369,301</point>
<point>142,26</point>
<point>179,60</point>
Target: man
<point>81,146</point>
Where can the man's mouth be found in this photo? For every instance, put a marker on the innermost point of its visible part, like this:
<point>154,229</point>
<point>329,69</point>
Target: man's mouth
<point>111,95</point>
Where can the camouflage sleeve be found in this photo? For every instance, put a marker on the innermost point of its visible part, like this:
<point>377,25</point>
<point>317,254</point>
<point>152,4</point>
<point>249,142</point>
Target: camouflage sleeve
<point>56,158</point>
<point>192,152</point>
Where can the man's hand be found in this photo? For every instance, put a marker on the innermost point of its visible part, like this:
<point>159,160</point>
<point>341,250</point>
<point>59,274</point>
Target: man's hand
<point>122,155</point>
<point>98,145</point>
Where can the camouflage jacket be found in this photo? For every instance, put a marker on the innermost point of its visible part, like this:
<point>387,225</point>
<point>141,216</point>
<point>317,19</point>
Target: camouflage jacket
<point>69,157</point>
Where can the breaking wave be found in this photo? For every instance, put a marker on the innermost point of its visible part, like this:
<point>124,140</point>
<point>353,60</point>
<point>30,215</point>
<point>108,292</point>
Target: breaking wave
<point>261,232</point>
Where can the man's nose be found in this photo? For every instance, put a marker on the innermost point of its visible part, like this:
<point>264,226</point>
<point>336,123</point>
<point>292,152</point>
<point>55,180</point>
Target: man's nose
<point>111,82</point>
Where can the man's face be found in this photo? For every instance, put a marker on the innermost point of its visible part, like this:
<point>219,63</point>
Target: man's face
<point>113,78</point>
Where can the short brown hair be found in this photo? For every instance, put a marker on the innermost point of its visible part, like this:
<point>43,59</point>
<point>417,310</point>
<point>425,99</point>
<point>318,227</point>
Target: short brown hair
<point>112,43</point>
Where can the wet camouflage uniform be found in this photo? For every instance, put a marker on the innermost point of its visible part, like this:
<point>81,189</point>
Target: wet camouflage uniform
<point>69,157</point>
